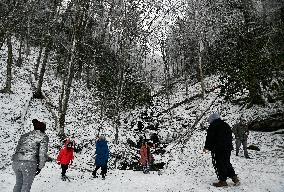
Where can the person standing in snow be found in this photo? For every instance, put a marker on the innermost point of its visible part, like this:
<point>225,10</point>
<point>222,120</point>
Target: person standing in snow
<point>241,133</point>
<point>145,157</point>
<point>102,156</point>
<point>65,157</point>
<point>30,156</point>
<point>219,142</point>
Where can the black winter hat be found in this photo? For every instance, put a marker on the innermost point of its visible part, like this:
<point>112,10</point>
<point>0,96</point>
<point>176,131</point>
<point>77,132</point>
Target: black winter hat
<point>39,125</point>
<point>34,121</point>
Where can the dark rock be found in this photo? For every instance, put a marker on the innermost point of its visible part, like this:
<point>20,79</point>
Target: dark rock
<point>49,159</point>
<point>159,151</point>
<point>253,147</point>
<point>131,143</point>
<point>78,148</point>
<point>158,166</point>
<point>154,137</point>
<point>151,127</point>
<point>140,126</point>
<point>272,123</point>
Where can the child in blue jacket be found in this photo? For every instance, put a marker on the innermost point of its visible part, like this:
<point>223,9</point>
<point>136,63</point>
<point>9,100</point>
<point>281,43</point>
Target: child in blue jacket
<point>102,156</point>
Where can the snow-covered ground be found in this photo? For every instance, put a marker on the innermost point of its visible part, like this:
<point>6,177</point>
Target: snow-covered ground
<point>187,169</point>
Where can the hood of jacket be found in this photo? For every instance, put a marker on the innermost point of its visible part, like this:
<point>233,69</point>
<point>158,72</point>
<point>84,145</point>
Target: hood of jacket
<point>213,117</point>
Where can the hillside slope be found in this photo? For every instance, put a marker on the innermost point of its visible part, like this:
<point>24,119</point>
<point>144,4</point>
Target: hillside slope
<point>187,168</point>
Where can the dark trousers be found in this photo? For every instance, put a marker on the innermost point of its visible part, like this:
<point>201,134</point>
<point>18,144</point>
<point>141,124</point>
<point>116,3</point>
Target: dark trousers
<point>64,169</point>
<point>103,168</point>
<point>222,165</point>
<point>238,145</point>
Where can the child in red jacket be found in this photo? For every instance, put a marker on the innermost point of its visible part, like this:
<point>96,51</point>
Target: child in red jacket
<point>65,157</point>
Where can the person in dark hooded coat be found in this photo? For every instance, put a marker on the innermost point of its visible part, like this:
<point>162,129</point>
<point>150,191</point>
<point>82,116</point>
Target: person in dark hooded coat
<point>102,156</point>
<point>219,142</point>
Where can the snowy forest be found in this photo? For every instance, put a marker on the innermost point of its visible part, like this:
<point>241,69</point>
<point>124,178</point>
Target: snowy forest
<point>143,70</point>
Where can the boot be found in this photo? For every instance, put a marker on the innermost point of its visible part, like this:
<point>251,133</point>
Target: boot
<point>94,174</point>
<point>104,176</point>
<point>220,184</point>
<point>236,180</point>
<point>144,169</point>
<point>63,177</point>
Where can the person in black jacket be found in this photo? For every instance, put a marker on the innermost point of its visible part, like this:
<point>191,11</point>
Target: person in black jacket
<point>219,142</point>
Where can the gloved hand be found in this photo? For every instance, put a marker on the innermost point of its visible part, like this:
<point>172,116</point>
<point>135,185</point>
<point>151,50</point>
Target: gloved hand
<point>38,171</point>
<point>205,150</point>
<point>71,162</point>
<point>58,162</point>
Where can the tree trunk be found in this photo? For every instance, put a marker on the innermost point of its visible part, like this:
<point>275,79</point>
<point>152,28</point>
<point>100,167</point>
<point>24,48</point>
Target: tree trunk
<point>118,100</point>
<point>61,96</point>
<point>67,89</point>
<point>7,88</point>
<point>2,38</point>
<point>38,62</point>
<point>200,68</point>
<point>166,71</point>
<point>80,70</point>
<point>116,129</point>
<point>38,93</point>
<point>88,76</point>
<point>255,93</point>
<point>28,38</point>
<point>20,59</point>
<point>186,81</point>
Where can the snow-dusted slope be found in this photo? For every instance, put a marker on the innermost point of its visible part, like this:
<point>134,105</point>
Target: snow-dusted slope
<point>187,169</point>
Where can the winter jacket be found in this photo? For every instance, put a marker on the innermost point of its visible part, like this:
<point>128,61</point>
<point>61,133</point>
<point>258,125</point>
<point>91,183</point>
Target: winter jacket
<point>102,153</point>
<point>32,146</point>
<point>240,131</point>
<point>145,155</point>
<point>219,137</point>
<point>66,154</point>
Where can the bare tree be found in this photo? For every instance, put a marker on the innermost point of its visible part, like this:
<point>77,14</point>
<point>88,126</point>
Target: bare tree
<point>78,23</point>
<point>38,61</point>
<point>67,89</point>
<point>38,92</point>
<point>8,83</point>
<point>20,58</point>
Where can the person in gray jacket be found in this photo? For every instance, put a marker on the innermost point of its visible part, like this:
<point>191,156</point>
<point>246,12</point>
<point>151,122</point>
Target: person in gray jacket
<point>30,156</point>
<point>241,133</point>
